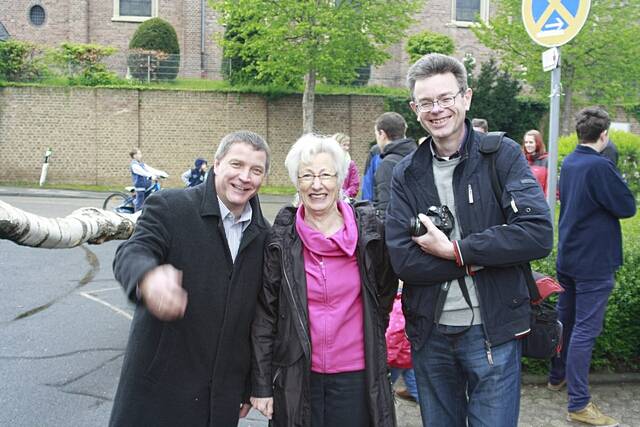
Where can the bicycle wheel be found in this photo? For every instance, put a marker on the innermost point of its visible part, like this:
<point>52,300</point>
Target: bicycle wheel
<point>118,202</point>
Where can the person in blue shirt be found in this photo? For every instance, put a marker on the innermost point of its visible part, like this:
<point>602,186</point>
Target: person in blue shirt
<point>593,198</point>
<point>368,179</point>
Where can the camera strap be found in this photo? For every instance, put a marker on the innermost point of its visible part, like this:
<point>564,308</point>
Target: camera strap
<point>442,297</point>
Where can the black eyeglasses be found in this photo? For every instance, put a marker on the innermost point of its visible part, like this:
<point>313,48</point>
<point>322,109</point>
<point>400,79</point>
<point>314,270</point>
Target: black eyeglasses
<point>444,102</point>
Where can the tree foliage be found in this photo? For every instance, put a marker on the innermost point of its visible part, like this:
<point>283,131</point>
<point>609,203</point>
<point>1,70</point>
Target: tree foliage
<point>599,66</point>
<point>155,35</point>
<point>82,63</point>
<point>21,61</point>
<point>496,98</point>
<point>292,41</point>
<point>426,42</point>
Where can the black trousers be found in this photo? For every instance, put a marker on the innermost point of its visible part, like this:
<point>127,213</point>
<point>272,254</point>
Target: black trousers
<point>339,400</point>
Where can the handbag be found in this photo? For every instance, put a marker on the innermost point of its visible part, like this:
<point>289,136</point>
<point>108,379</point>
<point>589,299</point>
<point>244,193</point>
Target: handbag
<point>544,339</point>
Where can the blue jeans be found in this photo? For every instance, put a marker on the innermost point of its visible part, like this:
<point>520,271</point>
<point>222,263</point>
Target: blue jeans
<point>409,377</point>
<point>456,383</point>
<point>138,201</point>
<point>581,309</point>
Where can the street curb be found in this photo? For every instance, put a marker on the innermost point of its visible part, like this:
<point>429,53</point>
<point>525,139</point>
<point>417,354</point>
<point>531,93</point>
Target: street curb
<point>594,378</point>
<point>81,194</point>
<point>66,194</point>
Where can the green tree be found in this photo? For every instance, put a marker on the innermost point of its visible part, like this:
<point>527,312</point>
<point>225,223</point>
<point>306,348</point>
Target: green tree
<point>295,41</point>
<point>426,42</point>
<point>496,97</point>
<point>157,39</point>
<point>599,66</point>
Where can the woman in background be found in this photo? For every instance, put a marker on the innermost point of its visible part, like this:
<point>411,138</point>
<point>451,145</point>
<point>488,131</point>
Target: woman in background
<point>534,151</point>
<point>351,183</point>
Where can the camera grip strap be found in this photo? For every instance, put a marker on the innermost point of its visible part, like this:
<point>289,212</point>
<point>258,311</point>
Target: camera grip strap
<point>442,297</point>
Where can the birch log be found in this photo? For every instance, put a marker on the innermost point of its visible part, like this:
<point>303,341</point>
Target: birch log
<point>85,225</point>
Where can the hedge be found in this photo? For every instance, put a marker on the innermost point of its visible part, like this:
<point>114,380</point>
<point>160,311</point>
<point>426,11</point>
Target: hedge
<point>618,347</point>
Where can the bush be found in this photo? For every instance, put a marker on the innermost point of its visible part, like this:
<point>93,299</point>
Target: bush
<point>82,64</point>
<point>155,35</point>
<point>21,62</point>
<point>618,347</point>
<point>426,42</point>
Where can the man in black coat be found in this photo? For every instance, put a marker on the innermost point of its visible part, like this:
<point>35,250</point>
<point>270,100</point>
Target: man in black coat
<point>190,267</point>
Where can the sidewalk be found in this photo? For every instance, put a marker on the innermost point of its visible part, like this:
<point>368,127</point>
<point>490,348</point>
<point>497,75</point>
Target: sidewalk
<point>616,395</point>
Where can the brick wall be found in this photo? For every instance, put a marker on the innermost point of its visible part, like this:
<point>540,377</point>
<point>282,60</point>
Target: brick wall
<point>91,131</point>
<point>435,16</point>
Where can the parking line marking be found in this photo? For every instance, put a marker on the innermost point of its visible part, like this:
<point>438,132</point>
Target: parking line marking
<point>106,289</point>
<point>106,304</point>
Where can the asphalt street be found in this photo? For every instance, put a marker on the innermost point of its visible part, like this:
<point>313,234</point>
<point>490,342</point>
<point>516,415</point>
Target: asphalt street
<point>64,323</point>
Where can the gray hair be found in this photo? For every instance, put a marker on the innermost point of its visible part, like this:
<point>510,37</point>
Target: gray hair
<point>247,137</point>
<point>310,145</point>
<point>433,64</point>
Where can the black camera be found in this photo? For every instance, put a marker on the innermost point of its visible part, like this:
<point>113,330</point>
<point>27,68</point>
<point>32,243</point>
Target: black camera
<point>441,217</point>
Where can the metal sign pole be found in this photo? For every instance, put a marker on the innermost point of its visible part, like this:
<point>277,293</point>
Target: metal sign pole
<point>554,125</point>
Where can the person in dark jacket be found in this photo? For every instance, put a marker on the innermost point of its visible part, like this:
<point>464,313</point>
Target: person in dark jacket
<point>197,174</point>
<point>465,296</point>
<point>319,352</point>
<point>610,151</point>
<point>537,156</point>
<point>593,198</point>
<point>190,269</point>
<point>390,132</point>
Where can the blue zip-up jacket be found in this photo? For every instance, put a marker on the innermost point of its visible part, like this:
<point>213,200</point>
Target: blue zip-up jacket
<point>498,237</point>
<point>593,196</point>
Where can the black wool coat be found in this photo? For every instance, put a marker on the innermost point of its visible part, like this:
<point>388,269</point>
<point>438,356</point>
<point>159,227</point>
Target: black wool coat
<point>192,371</point>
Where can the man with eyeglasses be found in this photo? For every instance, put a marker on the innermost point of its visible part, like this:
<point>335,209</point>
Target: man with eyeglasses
<point>465,297</point>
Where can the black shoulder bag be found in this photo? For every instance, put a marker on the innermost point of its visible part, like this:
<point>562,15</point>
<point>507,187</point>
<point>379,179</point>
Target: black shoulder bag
<point>545,338</point>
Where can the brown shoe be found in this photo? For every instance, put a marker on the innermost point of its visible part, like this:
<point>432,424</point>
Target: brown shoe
<point>591,415</point>
<point>556,387</point>
<point>405,395</point>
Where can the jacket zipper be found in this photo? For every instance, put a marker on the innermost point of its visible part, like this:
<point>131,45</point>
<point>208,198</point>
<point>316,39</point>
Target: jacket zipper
<point>295,304</point>
<point>487,343</point>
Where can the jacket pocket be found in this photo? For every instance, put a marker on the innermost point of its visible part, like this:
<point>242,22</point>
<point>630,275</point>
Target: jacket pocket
<point>163,354</point>
<point>523,199</point>
<point>286,347</point>
<point>514,293</point>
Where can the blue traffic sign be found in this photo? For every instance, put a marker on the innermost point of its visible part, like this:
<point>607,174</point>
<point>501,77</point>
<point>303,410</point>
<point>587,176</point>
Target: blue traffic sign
<point>553,23</point>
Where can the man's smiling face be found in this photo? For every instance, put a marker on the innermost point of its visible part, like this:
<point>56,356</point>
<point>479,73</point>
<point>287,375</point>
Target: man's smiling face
<point>238,175</point>
<point>446,125</point>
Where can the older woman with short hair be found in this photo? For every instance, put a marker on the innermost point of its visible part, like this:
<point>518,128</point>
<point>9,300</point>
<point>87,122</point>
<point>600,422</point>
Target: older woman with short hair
<point>319,354</point>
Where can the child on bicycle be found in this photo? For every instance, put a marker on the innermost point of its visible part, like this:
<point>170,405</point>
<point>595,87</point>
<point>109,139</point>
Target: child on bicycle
<point>142,176</point>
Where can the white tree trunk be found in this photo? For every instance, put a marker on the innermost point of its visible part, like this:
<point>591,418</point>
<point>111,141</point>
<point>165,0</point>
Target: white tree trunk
<point>308,102</point>
<point>85,225</point>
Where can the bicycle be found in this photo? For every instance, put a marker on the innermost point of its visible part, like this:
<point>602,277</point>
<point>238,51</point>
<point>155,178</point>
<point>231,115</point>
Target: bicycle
<point>121,202</point>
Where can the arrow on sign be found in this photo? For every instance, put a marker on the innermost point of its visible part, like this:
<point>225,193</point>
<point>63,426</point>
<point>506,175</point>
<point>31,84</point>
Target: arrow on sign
<point>554,25</point>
